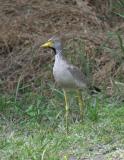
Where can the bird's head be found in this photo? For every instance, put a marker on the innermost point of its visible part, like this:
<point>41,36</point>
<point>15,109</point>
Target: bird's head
<point>53,43</point>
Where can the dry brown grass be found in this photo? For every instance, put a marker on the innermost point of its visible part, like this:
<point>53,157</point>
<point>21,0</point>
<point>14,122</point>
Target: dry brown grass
<point>26,24</point>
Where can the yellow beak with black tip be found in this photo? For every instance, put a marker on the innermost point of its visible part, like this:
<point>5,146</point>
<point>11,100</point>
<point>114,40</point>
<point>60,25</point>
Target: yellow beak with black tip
<point>48,44</point>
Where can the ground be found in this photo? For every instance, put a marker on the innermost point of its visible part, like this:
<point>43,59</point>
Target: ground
<point>99,137</point>
<point>31,106</point>
<point>27,24</point>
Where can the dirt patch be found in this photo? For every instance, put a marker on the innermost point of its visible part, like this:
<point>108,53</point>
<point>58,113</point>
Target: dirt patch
<point>26,24</point>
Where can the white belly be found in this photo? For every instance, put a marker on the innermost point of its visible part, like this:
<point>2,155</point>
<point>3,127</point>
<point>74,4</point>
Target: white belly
<point>62,75</point>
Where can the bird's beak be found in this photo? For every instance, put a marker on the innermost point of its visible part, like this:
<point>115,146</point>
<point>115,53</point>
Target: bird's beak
<point>47,44</point>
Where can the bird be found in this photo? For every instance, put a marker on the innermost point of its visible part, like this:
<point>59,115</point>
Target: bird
<point>67,75</point>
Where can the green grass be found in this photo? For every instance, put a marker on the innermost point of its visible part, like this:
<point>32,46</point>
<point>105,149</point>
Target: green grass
<point>117,7</point>
<point>32,127</point>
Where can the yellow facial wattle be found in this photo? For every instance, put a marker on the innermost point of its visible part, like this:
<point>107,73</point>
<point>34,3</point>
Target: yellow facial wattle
<point>48,44</point>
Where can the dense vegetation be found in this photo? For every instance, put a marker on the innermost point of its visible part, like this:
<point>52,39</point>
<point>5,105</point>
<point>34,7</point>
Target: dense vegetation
<point>32,113</point>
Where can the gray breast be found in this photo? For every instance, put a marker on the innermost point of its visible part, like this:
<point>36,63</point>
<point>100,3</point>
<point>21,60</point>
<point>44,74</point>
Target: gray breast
<point>68,76</point>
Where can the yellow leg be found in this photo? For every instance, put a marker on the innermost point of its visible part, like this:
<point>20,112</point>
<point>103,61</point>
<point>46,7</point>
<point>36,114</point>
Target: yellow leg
<point>66,109</point>
<point>80,102</point>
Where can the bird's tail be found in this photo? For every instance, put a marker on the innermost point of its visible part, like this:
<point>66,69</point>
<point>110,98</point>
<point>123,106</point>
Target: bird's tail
<point>94,90</point>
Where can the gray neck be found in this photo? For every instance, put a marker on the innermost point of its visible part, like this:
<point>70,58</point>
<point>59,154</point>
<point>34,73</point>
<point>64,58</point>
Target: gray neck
<point>58,55</point>
<point>58,51</point>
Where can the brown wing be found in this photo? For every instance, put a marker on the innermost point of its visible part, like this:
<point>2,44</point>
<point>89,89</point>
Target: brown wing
<point>77,74</point>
